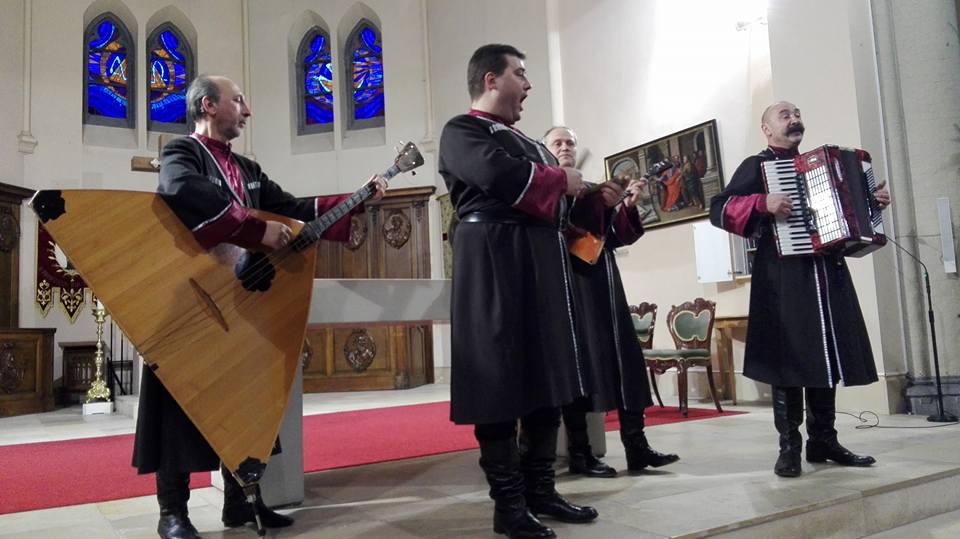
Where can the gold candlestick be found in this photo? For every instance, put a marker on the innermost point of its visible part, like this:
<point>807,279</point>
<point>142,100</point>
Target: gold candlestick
<point>98,389</point>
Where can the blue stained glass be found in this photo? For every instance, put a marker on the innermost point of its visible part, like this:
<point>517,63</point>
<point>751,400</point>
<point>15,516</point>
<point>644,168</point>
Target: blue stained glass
<point>318,82</point>
<point>103,101</point>
<point>316,47</point>
<point>368,100</point>
<point>168,107</point>
<point>369,38</point>
<point>319,110</point>
<point>168,79</point>
<point>319,79</point>
<point>170,43</point>
<point>107,72</point>
<point>105,32</point>
<point>159,76</point>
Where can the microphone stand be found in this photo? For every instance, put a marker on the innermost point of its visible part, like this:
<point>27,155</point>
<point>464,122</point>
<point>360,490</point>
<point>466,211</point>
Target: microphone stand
<point>941,416</point>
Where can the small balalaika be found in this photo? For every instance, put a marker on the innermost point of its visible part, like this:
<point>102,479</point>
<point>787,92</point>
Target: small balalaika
<point>222,329</point>
<point>834,210</point>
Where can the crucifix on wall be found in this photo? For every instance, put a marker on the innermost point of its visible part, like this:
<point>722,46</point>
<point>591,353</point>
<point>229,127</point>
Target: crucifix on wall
<point>141,163</point>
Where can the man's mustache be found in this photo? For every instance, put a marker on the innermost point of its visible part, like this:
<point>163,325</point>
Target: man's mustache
<point>797,128</point>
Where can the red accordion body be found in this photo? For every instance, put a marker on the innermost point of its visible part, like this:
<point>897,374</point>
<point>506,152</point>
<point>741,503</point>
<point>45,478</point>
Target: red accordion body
<point>833,206</point>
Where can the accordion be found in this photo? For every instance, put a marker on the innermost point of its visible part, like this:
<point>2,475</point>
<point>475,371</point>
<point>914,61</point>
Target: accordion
<point>833,205</point>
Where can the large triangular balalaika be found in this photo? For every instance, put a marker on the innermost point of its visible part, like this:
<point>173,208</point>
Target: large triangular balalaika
<point>222,329</point>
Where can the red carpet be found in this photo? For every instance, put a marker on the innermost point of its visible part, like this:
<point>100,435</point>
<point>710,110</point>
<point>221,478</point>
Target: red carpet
<point>70,472</point>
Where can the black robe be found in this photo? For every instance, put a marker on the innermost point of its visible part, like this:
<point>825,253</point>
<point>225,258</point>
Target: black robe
<point>610,343</point>
<point>513,340</point>
<point>805,326</point>
<point>194,188</point>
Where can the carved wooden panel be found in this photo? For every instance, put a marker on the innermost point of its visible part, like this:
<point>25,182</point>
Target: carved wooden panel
<point>11,200</point>
<point>394,244</point>
<point>26,371</point>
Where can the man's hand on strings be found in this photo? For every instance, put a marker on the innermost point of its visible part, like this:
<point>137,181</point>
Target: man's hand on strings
<point>634,188</point>
<point>276,235</point>
<point>611,193</point>
<point>380,183</point>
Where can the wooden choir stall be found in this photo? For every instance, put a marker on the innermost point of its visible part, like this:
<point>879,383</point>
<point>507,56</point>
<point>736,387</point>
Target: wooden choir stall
<point>26,355</point>
<point>390,240</point>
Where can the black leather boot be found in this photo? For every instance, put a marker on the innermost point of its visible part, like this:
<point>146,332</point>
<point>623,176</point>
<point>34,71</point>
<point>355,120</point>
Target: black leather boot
<point>173,492</point>
<point>822,444</point>
<point>237,511</point>
<point>582,459</point>
<point>787,416</point>
<point>536,464</point>
<point>500,461</point>
<point>638,450</point>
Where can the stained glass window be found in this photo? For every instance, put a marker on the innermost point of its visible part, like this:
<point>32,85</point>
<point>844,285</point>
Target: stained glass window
<point>316,81</point>
<point>109,78</point>
<point>169,70</point>
<point>367,62</point>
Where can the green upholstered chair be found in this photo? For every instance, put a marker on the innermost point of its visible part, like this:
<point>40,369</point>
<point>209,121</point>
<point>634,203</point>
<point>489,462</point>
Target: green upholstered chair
<point>691,326</point>
<point>644,317</point>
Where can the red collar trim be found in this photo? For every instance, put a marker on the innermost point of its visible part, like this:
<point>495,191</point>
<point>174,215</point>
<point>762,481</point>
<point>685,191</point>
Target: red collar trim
<point>213,144</point>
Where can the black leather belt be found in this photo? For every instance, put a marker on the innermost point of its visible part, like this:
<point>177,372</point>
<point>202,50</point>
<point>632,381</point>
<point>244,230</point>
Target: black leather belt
<point>503,218</point>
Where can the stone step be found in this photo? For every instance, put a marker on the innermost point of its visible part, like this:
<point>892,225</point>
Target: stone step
<point>831,509</point>
<point>127,405</point>
<point>938,527</point>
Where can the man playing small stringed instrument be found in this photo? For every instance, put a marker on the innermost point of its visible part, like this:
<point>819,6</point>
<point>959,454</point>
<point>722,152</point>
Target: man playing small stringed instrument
<point>211,189</point>
<point>604,318</point>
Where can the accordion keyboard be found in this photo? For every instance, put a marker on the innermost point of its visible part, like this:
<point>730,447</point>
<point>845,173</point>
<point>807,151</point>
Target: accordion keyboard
<point>793,233</point>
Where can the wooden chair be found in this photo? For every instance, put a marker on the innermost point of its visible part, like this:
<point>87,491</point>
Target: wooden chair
<point>644,317</point>
<point>691,326</point>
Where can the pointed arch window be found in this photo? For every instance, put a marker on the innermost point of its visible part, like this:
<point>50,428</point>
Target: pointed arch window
<point>365,63</point>
<point>110,80</point>
<point>315,70</point>
<point>170,69</point>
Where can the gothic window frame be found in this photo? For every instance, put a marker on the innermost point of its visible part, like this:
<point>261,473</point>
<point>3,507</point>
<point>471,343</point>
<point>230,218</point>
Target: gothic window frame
<point>190,67</point>
<point>91,32</point>
<point>347,93</point>
<point>303,128</point>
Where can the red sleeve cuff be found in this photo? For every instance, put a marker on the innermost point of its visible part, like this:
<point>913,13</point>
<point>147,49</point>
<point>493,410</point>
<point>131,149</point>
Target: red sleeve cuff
<point>540,198</point>
<point>738,210</point>
<point>225,227</point>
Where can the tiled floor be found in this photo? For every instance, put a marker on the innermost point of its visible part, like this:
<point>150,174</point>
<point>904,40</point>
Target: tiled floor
<point>723,484</point>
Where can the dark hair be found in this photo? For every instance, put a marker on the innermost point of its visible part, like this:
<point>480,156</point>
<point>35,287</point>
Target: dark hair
<point>488,59</point>
<point>202,86</point>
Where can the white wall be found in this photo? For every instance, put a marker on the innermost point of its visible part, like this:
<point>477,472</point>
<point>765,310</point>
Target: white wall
<point>636,71</point>
<point>11,91</point>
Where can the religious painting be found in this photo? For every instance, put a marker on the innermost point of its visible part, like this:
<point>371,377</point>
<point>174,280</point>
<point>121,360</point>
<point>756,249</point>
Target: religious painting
<point>57,280</point>
<point>683,173</point>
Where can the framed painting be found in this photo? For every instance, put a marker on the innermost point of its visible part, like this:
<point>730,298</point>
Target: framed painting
<point>683,173</point>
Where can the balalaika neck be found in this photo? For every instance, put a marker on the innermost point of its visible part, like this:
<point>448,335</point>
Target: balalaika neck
<point>314,229</point>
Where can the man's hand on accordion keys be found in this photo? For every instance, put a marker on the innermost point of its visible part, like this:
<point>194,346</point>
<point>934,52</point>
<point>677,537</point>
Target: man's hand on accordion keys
<point>779,205</point>
<point>881,195</point>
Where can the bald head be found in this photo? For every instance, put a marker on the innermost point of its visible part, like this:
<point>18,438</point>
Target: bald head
<point>781,124</point>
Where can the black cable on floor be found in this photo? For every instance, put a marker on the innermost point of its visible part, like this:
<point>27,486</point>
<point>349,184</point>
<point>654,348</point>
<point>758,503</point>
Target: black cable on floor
<point>876,425</point>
